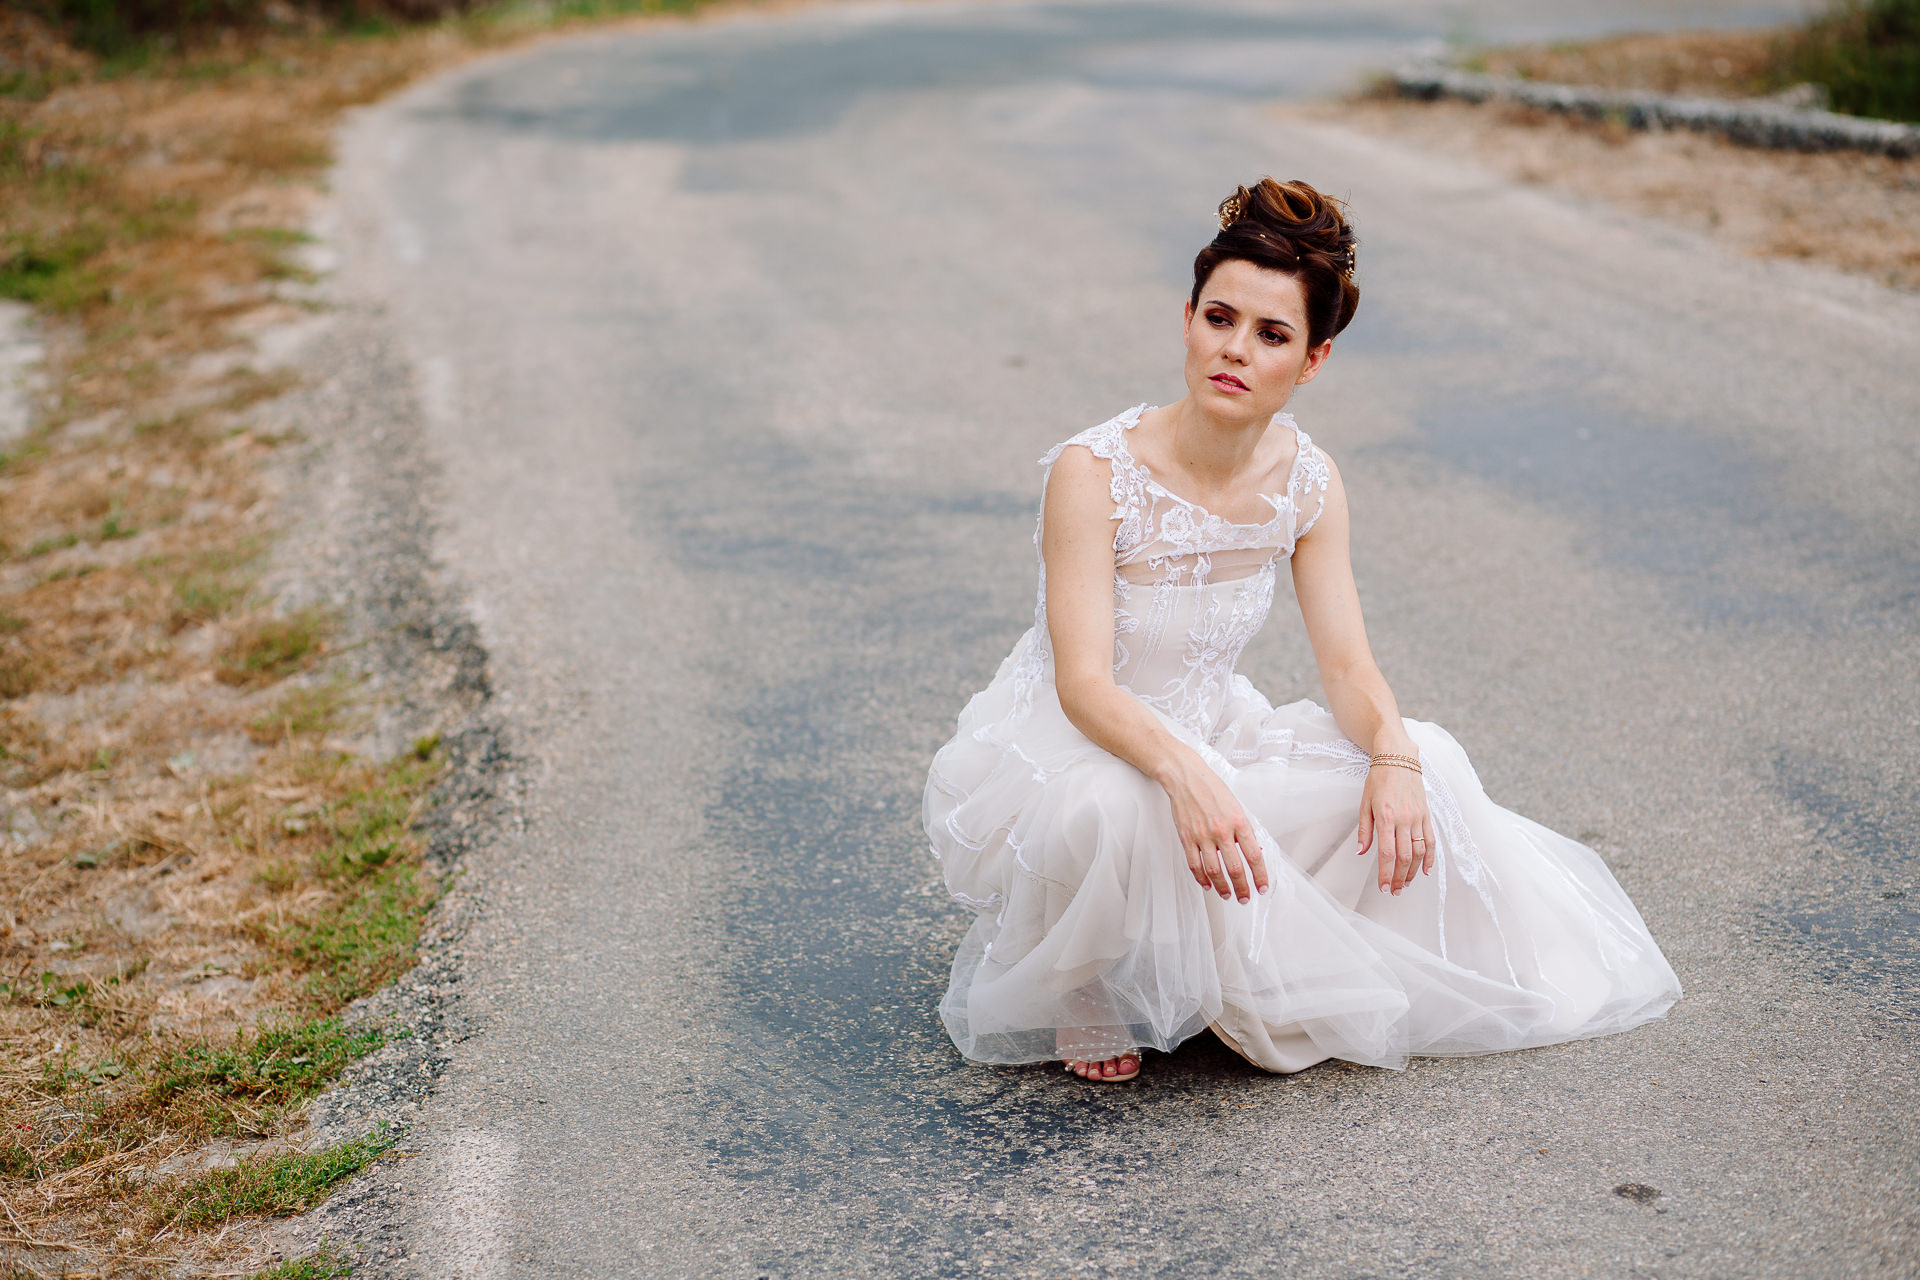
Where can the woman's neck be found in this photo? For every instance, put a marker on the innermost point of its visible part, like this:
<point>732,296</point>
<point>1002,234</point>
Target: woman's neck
<point>1213,450</point>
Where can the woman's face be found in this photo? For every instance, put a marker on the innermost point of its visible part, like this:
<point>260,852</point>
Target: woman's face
<point>1247,342</point>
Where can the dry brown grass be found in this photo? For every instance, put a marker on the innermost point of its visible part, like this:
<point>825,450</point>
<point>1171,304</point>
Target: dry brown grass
<point>1720,64</point>
<point>1855,212</point>
<point>194,876</point>
<point>191,871</point>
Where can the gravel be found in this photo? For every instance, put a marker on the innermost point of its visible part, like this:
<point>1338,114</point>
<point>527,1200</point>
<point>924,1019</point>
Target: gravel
<point>359,542</point>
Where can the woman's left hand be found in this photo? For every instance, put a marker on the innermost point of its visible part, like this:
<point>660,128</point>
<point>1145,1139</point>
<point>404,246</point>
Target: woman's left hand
<point>1393,815</point>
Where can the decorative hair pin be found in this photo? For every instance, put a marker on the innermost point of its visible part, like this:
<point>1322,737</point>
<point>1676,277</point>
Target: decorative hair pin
<point>1230,210</point>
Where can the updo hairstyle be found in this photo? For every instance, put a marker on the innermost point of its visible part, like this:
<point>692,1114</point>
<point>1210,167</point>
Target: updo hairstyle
<point>1291,228</point>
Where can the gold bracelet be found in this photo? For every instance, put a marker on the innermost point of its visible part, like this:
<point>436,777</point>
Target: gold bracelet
<point>1398,761</point>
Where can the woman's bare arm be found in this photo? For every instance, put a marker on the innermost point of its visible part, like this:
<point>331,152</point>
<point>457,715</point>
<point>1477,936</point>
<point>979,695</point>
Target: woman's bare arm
<point>1394,804</point>
<point>1077,545</point>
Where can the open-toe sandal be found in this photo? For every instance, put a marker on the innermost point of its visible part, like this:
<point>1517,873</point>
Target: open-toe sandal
<point>1122,1078</point>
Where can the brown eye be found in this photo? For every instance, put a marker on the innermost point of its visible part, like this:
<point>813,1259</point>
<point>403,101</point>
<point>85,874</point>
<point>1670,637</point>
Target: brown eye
<point>1273,336</point>
<point>1215,319</point>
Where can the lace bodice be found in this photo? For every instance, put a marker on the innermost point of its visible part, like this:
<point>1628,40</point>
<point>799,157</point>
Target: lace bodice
<point>1190,588</point>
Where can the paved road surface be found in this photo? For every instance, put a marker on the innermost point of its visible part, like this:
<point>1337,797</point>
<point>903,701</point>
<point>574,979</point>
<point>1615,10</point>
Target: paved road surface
<point>737,342</point>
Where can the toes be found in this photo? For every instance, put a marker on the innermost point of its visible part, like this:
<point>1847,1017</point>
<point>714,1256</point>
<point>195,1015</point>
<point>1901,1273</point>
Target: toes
<point>1125,1064</point>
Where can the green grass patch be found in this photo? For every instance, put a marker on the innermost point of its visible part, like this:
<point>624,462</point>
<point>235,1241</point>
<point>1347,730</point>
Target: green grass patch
<point>54,270</point>
<point>367,938</point>
<point>266,1186</point>
<point>212,585</point>
<point>115,526</point>
<point>19,674</point>
<point>251,1086</point>
<point>326,1264</point>
<point>1866,53</point>
<point>369,932</point>
<point>49,991</point>
<point>280,1066</point>
<point>273,248</point>
<point>272,648</point>
<point>44,546</point>
<point>304,712</point>
<point>248,387</point>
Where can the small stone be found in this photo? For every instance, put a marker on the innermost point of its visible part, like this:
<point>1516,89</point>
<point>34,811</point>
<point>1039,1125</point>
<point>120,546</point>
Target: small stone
<point>1638,1192</point>
<point>20,825</point>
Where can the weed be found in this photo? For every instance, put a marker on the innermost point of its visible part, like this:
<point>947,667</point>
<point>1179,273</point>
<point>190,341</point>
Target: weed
<point>265,1186</point>
<point>279,875</point>
<point>272,648</point>
<point>114,526</point>
<point>366,938</point>
<point>281,1065</point>
<point>143,209</point>
<point>304,712</point>
<point>211,585</point>
<point>1865,52</point>
<point>326,1264</point>
<point>93,859</point>
<point>273,249</point>
<point>250,387</point>
<point>59,272</point>
<point>369,931</point>
<point>58,542</point>
<point>99,1073</point>
<point>50,992</point>
<point>19,674</point>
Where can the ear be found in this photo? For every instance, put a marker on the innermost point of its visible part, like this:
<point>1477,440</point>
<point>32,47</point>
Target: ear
<point>1187,316</point>
<point>1315,358</point>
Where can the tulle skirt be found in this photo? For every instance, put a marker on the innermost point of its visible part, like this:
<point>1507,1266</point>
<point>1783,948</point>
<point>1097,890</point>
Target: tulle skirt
<point>1092,937</point>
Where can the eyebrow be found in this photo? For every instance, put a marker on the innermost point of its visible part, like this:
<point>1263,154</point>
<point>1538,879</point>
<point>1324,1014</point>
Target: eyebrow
<point>1282,324</point>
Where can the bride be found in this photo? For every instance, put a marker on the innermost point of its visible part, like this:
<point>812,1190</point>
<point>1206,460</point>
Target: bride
<point>1151,848</point>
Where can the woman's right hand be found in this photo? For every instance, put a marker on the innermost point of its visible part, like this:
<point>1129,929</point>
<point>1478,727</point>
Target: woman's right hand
<point>1076,543</point>
<point>1222,852</point>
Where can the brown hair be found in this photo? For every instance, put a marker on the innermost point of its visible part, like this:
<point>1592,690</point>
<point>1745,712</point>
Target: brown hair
<point>1290,227</point>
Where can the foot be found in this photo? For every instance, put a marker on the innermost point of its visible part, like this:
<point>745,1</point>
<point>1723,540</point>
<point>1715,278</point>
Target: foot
<point>1112,1070</point>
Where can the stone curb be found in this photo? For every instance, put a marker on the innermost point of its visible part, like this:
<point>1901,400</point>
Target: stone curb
<point>1757,123</point>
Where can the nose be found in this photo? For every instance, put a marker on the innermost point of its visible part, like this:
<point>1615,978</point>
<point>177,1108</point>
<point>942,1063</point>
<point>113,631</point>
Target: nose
<point>1236,346</point>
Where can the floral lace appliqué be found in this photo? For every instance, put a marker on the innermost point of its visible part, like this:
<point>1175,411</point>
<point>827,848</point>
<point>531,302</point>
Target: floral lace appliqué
<point>1191,588</point>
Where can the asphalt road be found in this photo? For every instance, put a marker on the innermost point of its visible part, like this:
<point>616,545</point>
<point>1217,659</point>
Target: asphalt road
<point>736,342</point>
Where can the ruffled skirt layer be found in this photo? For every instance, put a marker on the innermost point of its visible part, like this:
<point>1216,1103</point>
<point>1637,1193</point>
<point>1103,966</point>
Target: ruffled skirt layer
<point>1093,938</point>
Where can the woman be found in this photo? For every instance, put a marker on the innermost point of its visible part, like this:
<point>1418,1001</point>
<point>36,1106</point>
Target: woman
<point>1151,847</point>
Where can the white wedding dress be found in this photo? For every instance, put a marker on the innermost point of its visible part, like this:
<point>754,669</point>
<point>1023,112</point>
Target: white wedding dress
<point>1092,936</point>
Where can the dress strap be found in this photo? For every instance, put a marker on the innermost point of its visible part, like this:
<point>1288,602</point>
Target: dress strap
<point>1307,484</point>
<point>1128,488</point>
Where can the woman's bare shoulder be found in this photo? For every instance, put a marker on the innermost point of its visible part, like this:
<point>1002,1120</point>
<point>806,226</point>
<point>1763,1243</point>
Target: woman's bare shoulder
<point>1079,478</point>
